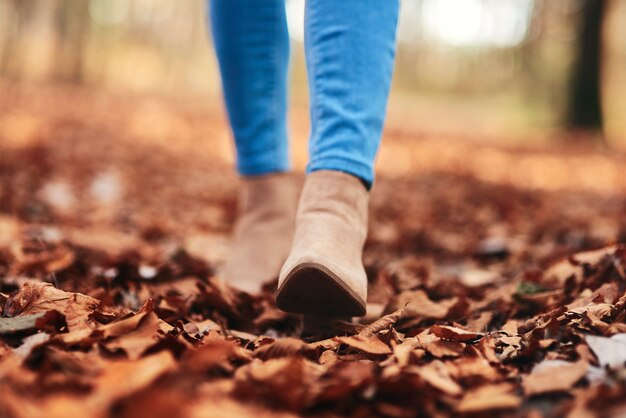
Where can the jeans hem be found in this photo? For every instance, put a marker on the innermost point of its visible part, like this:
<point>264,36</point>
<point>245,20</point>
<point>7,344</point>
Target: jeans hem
<point>362,171</point>
<point>260,169</point>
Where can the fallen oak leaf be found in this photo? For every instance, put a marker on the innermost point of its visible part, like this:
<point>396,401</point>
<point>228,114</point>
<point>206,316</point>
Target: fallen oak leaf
<point>455,333</point>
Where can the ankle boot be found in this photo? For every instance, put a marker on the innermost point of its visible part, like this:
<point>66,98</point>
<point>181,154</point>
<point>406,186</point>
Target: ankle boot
<point>324,274</point>
<point>263,231</point>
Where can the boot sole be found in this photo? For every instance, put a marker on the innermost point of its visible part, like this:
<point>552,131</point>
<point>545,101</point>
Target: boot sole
<point>310,288</point>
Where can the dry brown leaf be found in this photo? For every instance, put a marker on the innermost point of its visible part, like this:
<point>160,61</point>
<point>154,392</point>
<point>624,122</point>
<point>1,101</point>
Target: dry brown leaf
<point>437,375</point>
<point>440,348</point>
<point>417,304</point>
<point>346,379</point>
<point>125,377</point>
<point>488,398</point>
<point>133,335</point>
<point>284,347</point>
<point>216,352</point>
<point>381,324</point>
<point>37,297</point>
<point>370,345</point>
<point>220,407</point>
<point>455,333</point>
<point>473,369</point>
<point>288,382</point>
<point>554,376</point>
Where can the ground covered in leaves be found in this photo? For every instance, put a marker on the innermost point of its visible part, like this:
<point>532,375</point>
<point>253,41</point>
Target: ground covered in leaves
<point>485,298</point>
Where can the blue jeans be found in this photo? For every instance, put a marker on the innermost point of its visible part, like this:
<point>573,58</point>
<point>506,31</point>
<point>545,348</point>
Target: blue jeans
<point>350,49</point>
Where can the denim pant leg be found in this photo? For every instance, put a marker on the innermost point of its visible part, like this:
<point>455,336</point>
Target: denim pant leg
<point>252,47</point>
<point>350,50</point>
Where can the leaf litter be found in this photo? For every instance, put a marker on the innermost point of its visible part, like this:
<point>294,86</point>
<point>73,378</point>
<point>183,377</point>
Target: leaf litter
<point>484,299</point>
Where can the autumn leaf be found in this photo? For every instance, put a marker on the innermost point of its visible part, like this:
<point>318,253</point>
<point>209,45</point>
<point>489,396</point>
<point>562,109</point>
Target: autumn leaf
<point>369,345</point>
<point>488,398</point>
<point>554,376</point>
<point>455,333</point>
<point>37,297</point>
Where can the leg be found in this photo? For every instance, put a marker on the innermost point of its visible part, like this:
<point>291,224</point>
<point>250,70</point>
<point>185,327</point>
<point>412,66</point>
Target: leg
<point>252,47</point>
<point>350,48</point>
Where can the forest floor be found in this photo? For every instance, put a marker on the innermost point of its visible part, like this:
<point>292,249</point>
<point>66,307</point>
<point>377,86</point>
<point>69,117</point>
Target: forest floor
<point>496,279</point>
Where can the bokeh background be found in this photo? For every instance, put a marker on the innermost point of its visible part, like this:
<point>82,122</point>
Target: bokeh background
<point>504,68</point>
<point>529,93</point>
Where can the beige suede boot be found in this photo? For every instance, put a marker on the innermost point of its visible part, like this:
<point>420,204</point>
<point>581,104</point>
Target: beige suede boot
<point>263,231</point>
<point>324,273</point>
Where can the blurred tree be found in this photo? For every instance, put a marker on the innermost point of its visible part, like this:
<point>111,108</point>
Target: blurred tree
<point>72,24</point>
<point>23,11</point>
<point>585,107</point>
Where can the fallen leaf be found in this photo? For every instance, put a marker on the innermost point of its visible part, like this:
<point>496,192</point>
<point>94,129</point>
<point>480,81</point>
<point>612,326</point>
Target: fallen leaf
<point>122,378</point>
<point>455,333</point>
<point>417,305</point>
<point>381,324</point>
<point>488,398</point>
<point>440,348</point>
<point>370,345</point>
<point>554,376</point>
<point>133,335</point>
<point>281,348</point>
<point>285,382</point>
<point>436,374</point>
<point>345,380</point>
<point>37,297</point>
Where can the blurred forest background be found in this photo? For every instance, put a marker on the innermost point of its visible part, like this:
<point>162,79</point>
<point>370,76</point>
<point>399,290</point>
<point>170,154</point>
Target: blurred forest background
<point>513,69</point>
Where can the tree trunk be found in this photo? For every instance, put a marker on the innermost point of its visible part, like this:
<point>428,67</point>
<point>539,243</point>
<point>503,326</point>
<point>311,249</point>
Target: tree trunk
<point>585,108</point>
